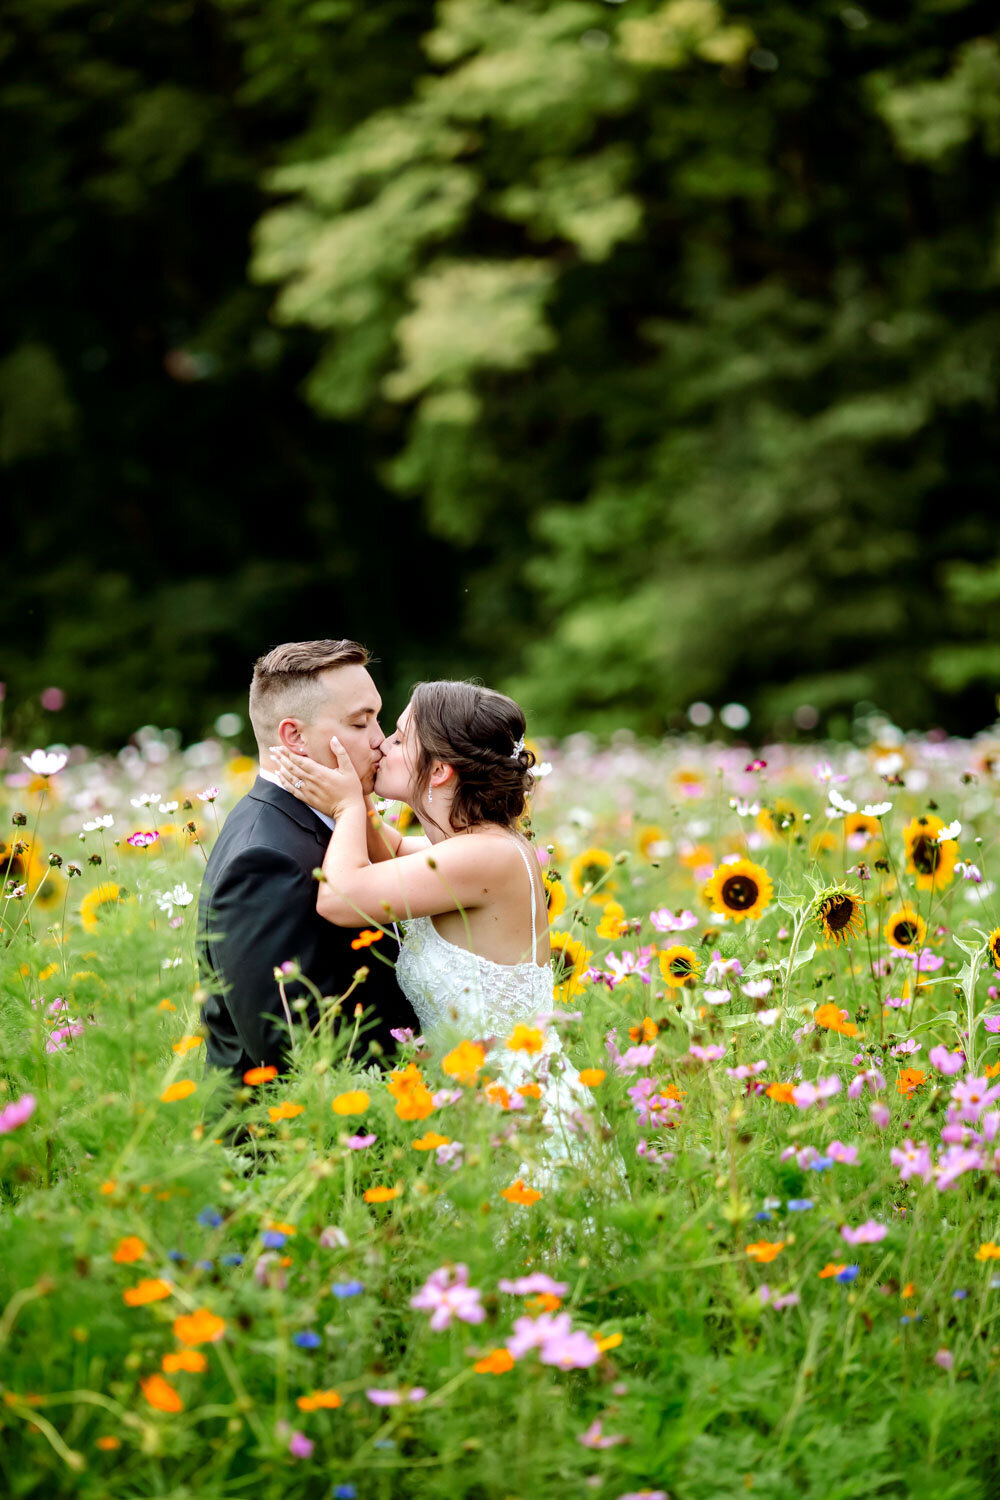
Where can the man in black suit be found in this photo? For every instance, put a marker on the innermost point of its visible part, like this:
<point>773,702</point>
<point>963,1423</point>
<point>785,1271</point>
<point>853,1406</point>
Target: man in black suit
<point>257,908</point>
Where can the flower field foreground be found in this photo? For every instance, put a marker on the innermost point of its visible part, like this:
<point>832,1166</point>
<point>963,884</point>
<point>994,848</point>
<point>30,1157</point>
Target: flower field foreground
<point>778,980</point>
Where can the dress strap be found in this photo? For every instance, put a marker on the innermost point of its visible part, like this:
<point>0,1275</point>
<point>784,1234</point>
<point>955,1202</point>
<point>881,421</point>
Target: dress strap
<point>531,881</point>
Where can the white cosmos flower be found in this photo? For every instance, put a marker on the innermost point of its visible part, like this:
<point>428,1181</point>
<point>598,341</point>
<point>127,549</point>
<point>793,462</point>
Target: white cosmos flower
<point>106,822</point>
<point>179,896</point>
<point>840,803</point>
<point>951,832</point>
<point>145,799</point>
<point>716,997</point>
<point>544,768</point>
<point>40,763</point>
<point>876,809</point>
<point>169,807</point>
<point>744,809</point>
<point>768,1017</point>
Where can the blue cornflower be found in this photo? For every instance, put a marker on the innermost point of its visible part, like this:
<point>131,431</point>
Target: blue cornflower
<point>911,1317</point>
<point>177,1255</point>
<point>799,1205</point>
<point>821,1164</point>
<point>308,1338</point>
<point>210,1218</point>
<point>763,1217</point>
<point>347,1288</point>
<point>345,1491</point>
<point>960,1294</point>
<point>384,1443</point>
<point>205,1265</point>
<point>232,1260</point>
<point>273,1239</point>
<point>849,1273</point>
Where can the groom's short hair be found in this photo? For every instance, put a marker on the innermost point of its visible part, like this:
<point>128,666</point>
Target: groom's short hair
<point>286,682</point>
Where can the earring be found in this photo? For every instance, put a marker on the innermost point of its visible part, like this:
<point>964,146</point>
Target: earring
<point>430,794</point>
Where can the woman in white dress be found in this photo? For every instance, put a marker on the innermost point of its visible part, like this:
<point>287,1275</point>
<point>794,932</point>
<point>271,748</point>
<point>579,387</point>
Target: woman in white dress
<point>474,958</point>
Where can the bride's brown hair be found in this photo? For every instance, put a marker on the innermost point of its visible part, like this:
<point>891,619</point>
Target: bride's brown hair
<point>476,731</point>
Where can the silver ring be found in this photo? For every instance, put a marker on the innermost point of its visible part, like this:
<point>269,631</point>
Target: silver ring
<point>298,785</point>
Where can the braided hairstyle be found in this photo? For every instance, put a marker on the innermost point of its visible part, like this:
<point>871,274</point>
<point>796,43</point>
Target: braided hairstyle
<point>475,731</point>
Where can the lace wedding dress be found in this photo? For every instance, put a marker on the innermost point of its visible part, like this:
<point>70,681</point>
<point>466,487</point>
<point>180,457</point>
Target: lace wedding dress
<point>458,994</point>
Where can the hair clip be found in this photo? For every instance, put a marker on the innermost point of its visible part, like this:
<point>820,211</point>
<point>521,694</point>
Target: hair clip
<point>518,747</point>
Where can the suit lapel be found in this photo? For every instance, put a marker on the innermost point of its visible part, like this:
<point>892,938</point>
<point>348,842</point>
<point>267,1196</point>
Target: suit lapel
<point>266,791</point>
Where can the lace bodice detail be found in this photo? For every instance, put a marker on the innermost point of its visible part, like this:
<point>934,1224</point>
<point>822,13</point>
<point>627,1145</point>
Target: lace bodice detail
<point>452,989</point>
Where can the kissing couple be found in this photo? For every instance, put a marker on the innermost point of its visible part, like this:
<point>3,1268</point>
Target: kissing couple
<point>465,901</point>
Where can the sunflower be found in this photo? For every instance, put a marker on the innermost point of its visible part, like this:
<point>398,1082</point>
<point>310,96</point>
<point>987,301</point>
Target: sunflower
<point>679,966</point>
<point>613,923</point>
<point>688,782</point>
<point>555,894</point>
<point>860,828</point>
<point>838,912</point>
<point>52,891</point>
<point>993,945</point>
<point>652,842</point>
<point>590,868</point>
<point>21,862</point>
<point>931,862</point>
<point>569,960</point>
<point>822,843</point>
<point>905,929</point>
<point>93,903</point>
<point>778,820</point>
<point>739,890</point>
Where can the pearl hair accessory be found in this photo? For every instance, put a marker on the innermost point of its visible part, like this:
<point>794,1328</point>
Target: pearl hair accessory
<point>518,747</point>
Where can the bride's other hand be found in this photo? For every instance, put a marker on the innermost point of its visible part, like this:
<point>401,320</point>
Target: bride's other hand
<point>325,788</point>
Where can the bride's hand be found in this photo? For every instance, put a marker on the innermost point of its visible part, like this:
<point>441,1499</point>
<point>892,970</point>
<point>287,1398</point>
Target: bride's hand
<point>325,788</point>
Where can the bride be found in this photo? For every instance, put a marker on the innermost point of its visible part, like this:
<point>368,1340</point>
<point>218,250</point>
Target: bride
<point>474,958</point>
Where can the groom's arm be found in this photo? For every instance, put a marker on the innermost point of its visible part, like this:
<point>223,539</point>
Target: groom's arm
<point>260,916</point>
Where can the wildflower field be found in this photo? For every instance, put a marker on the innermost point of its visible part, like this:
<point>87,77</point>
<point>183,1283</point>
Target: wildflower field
<point>778,979</point>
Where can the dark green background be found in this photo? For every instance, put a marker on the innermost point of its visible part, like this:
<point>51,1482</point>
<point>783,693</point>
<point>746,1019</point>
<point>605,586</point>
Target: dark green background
<point>624,354</point>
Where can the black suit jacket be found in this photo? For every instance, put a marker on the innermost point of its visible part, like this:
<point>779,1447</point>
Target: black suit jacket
<point>257,909</point>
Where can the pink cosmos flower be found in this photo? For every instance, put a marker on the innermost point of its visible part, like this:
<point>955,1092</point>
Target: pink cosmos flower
<point>747,1070</point>
<point>948,1063</point>
<point>972,1095</point>
<point>953,1163</point>
<point>665,921</point>
<point>945,1359</point>
<point>912,1161</point>
<point>806,1094</point>
<point>571,1351</point>
<point>530,1286</point>
<point>846,1155</point>
<point>992,1023</point>
<point>653,1153</point>
<point>395,1398</point>
<point>757,989</point>
<point>535,1333</point>
<point>868,1233</point>
<point>361,1142</point>
<point>879,1114</point>
<point>14,1115</point>
<point>716,997</point>
<point>903,1049</point>
<point>630,963</point>
<point>635,1058</point>
<point>706,1054</point>
<point>779,1303</point>
<point>299,1445</point>
<point>58,1040</point>
<point>332,1238</point>
<point>719,968</point>
<point>594,1437</point>
<point>446,1294</point>
<point>871,1078</point>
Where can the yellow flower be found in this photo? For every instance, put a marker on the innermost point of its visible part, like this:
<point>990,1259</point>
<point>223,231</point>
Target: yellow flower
<point>382,1194</point>
<point>651,841</point>
<point>932,863</point>
<point>679,966</point>
<point>610,1341</point>
<point>285,1111</point>
<point>778,820</point>
<point>555,894</point>
<point>464,1062</point>
<point>587,870</point>
<point>905,928</point>
<point>200,1327</point>
<point>431,1141</point>
<point>161,1394</point>
<point>182,1089</point>
<point>525,1039</point>
<point>647,1032</point>
<point>569,960</point>
<point>838,912</point>
<point>187,1044</point>
<point>856,824</point>
<point>354,1102</point>
<point>591,1077</point>
<point>739,890</point>
<point>129,1249</point>
<point>94,902</point>
<point>988,1251</point>
<point>993,944</point>
<point>613,923</point>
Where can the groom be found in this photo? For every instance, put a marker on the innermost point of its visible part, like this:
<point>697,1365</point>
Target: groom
<point>257,908</point>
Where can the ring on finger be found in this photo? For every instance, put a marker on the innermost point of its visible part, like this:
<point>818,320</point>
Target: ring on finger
<point>298,784</point>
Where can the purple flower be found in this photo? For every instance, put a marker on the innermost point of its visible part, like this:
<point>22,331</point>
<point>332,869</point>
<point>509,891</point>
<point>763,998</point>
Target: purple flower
<point>706,1054</point>
<point>395,1398</point>
<point>972,1095</point>
<point>912,1161</point>
<point>13,1116</point>
<point>272,1239</point>
<point>847,1156</point>
<point>868,1233</point>
<point>299,1445</point>
<point>945,1359</point>
<point>879,1115</point>
<point>946,1062</point>
<point>571,1351</point>
<point>953,1163</point>
<point>992,1023</point>
<point>446,1294</point>
<point>870,1078</point>
<point>347,1288</point>
<point>535,1333</point>
<point>636,1057</point>
<point>306,1338</point>
<point>799,1205</point>
<point>209,1218</point>
<point>361,1142</point>
<point>402,1034</point>
<point>665,921</point>
<point>530,1286</point>
<point>594,1437</point>
<point>805,1094</point>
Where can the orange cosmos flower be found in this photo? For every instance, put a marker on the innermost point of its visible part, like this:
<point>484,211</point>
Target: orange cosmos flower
<point>414,1100</point>
<point>431,1141</point>
<point>187,1044</point>
<point>107,1188</point>
<point>782,1093</point>
<point>279,1227</point>
<point>184,1359</point>
<point>382,1194</point>
<point>832,1268</point>
<point>497,1094</point>
<point>909,1290</point>
<point>201,1327</point>
<point>518,1193</point>
<point>286,1111</point>
<point>365,938</point>
<point>611,1341</point>
<point>154,1289</point>
<point>497,1362</point>
<point>591,1077</point>
<point>108,1444</point>
<point>909,1081</point>
<point>764,1251</point>
<point>166,1005</point>
<point>260,1075</point>
<point>988,1251</point>
<point>525,1039</point>
<point>161,1394</point>
<point>182,1089</point>
<point>830,1017</point>
<point>319,1401</point>
<point>354,1102</point>
<point>992,1069</point>
<point>647,1032</point>
<point>129,1249</point>
<point>544,1302</point>
<point>464,1062</point>
<point>530,1090</point>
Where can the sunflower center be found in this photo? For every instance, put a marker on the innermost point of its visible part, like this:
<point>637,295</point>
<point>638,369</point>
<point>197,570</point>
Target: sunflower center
<point>681,967</point>
<point>926,855</point>
<point>739,892</point>
<point>906,934</point>
<point>838,914</point>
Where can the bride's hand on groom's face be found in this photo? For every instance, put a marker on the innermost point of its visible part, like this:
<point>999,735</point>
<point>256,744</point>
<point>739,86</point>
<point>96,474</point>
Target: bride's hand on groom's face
<point>324,787</point>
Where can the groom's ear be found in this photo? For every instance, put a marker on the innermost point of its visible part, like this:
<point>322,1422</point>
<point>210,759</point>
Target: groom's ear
<point>290,734</point>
